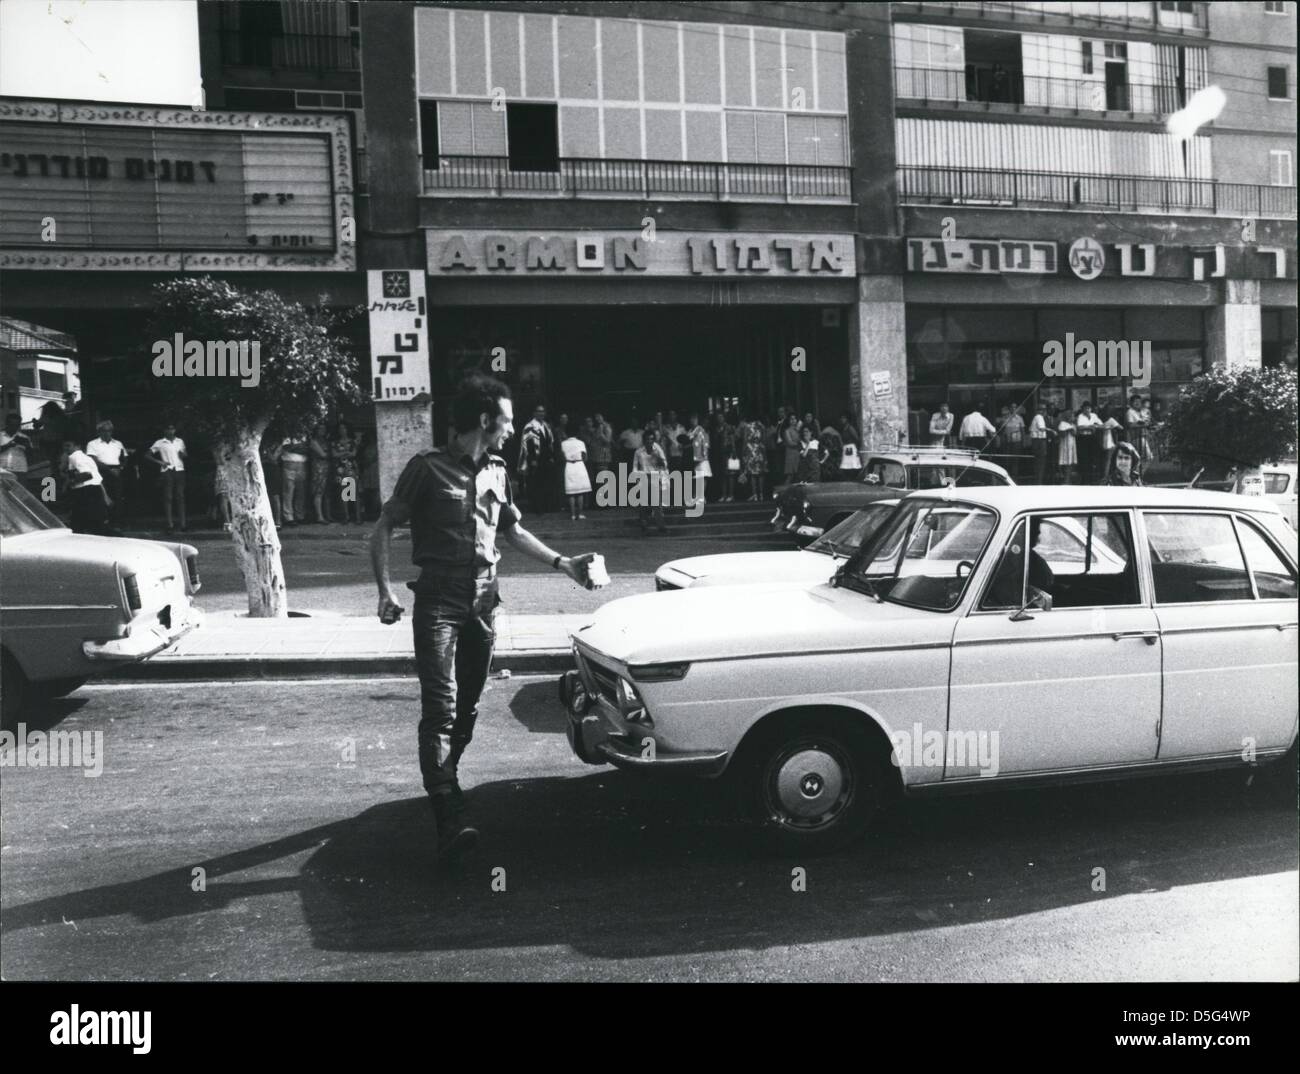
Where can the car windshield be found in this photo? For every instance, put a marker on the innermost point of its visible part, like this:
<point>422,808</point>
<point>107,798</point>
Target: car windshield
<point>21,512</point>
<point>924,555</point>
<point>851,534</point>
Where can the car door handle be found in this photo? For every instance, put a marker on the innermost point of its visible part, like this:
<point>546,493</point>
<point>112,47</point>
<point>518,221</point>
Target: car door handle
<point>1149,636</point>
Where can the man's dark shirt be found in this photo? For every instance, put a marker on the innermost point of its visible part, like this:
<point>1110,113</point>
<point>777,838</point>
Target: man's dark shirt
<point>456,508</point>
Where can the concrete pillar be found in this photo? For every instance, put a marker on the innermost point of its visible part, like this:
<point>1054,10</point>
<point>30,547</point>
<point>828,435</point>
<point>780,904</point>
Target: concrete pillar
<point>392,238</point>
<point>878,361</point>
<point>1233,328</point>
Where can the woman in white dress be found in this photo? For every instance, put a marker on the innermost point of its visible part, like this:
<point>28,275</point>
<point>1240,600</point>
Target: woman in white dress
<point>577,483</point>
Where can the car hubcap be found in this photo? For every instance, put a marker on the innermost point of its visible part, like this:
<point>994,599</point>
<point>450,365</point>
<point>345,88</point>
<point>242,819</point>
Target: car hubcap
<point>809,785</point>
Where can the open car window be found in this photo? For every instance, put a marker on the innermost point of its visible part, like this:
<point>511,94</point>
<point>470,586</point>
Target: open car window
<point>1079,560</point>
<point>924,555</point>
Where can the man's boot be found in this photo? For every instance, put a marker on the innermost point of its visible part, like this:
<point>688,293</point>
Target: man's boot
<point>455,837</point>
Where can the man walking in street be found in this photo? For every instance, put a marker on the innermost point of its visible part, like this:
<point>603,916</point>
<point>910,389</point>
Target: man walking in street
<point>455,501</point>
<point>109,456</point>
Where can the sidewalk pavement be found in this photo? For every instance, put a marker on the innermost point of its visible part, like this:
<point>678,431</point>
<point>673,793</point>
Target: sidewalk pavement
<point>229,645</point>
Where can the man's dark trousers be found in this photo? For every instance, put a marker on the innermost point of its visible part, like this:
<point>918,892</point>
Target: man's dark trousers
<point>454,635</point>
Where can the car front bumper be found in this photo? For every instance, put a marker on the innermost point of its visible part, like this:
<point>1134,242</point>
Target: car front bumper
<point>601,735</point>
<point>144,639</point>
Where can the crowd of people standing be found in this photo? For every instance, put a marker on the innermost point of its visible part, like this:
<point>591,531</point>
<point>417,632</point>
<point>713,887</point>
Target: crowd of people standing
<point>1057,445</point>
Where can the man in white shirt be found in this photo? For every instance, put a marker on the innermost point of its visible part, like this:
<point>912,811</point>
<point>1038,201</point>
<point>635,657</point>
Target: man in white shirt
<point>672,429</point>
<point>1038,445</point>
<point>84,490</point>
<point>1087,428</point>
<point>169,453</point>
<point>976,430</point>
<point>940,426</point>
<point>109,455</point>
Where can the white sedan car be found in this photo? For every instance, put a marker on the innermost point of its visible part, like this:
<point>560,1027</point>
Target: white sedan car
<point>815,563</point>
<point>984,637</point>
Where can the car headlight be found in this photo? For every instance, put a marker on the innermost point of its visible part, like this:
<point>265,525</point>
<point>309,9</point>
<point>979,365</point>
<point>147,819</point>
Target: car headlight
<point>656,673</point>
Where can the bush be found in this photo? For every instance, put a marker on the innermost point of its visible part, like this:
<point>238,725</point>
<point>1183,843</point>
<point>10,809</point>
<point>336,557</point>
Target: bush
<point>1234,417</point>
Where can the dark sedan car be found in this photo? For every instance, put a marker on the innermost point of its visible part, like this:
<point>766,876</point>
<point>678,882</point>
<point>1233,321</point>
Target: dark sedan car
<point>808,509</point>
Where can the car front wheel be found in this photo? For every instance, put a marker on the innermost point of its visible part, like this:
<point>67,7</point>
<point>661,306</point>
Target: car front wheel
<point>810,786</point>
<point>58,687</point>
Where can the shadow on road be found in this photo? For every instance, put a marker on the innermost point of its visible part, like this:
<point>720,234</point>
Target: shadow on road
<point>621,867</point>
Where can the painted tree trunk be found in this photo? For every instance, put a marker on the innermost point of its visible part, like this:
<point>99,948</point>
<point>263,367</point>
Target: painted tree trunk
<point>257,544</point>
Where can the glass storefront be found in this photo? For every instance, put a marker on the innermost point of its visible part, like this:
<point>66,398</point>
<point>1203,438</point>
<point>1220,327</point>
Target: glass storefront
<point>993,356</point>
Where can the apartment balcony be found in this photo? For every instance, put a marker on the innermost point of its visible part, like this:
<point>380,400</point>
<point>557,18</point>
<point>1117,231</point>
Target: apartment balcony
<point>1168,18</point>
<point>990,188</point>
<point>482,176</point>
<point>986,86</point>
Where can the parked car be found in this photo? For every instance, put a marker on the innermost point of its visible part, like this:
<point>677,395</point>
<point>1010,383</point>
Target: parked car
<point>814,563</point>
<point>1274,480</point>
<point>75,605</point>
<point>984,637</point>
<point>808,509</point>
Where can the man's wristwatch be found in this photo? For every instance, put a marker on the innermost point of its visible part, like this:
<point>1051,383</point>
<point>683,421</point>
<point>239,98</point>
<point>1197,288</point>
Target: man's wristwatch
<point>555,563</point>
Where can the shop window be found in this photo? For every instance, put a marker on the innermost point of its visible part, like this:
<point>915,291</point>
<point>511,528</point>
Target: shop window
<point>533,137</point>
<point>1277,84</point>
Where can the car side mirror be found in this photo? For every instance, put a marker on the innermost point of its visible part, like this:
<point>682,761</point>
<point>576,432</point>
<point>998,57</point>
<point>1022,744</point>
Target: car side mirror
<point>1038,600</point>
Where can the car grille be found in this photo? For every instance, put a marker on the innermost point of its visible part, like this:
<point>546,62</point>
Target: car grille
<point>605,681</point>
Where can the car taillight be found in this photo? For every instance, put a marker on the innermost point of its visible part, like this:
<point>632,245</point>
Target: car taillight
<point>132,587</point>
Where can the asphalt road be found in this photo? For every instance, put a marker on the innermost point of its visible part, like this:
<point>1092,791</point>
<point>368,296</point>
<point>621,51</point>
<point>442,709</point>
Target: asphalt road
<point>317,862</point>
<point>334,575</point>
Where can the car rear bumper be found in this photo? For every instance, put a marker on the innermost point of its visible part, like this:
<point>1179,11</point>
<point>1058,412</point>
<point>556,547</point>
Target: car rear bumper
<point>143,639</point>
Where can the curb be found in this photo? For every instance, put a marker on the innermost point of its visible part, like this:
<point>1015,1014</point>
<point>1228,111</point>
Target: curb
<point>178,669</point>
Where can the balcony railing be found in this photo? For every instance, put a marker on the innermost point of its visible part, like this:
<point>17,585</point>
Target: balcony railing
<point>578,177</point>
<point>1134,14</point>
<point>919,185</point>
<point>986,86</point>
<point>290,51</point>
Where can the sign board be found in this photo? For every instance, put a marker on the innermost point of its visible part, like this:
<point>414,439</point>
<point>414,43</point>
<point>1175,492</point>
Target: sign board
<point>157,188</point>
<point>629,254</point>
<point>399,339</point>
<point>882,384</point>
<point>990,257</point>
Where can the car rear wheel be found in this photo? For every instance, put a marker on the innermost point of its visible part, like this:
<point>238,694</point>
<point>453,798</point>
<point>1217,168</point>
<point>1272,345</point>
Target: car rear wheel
<point>810,786</point>
<point>15,690</point>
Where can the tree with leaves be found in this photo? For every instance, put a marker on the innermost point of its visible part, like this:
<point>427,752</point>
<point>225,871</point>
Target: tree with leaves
<point>302,368</point>
<point>1234,418</point>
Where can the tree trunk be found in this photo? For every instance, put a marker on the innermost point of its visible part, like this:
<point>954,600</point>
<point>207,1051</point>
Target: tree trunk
<point>257,544</point>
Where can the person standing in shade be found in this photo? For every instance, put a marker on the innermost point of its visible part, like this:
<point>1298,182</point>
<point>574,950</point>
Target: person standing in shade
<point>455,502</point>
<point>650,459</point>
<point>1088,430</point>
<point>672,431</point>
<point>318,457</point>
<point>536,460</point>
<point>1110,430</point>
<point>849,431</point>
<point>754,458</point>
<point>629,441</point>
<point>293,478</point>
<point>602,446</point>
<point>976,430</point>
<point>346,474</point>
<point>701,469</point>
<point>577,482</point>
<point>832,452</point>
<point>1067,454</point>
<point>110,456</point>
<point>791,445</point>
<point>1038,445</point>
<point>1013,438</point>
<point>940,426</point>
<point>168,453</point>
<point>84,488</point>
